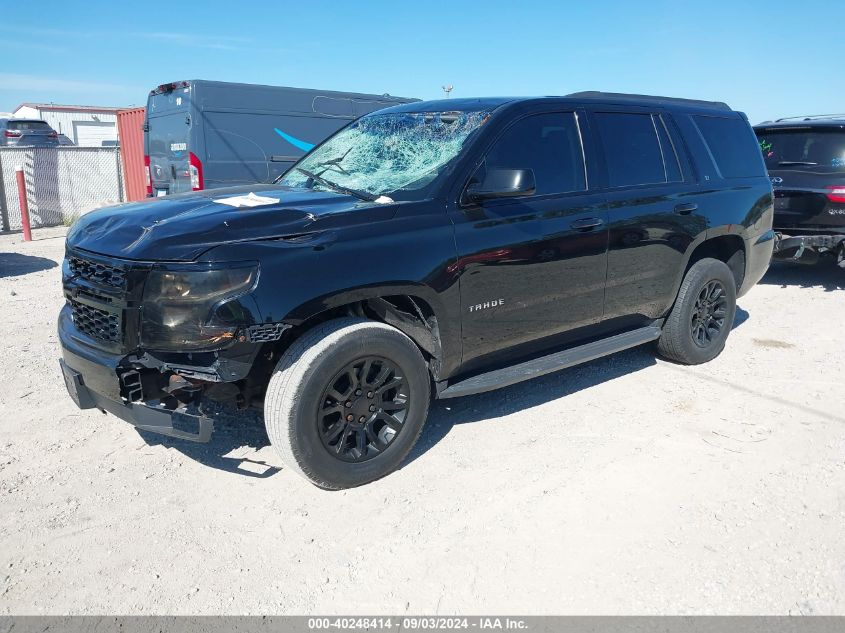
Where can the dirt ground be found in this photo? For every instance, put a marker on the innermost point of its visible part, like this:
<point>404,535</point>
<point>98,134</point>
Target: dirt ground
<point>628,485</point>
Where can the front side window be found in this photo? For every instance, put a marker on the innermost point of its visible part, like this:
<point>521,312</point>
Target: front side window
<point>395,154</point>
<point>631,149</point>
<point>548,144</point>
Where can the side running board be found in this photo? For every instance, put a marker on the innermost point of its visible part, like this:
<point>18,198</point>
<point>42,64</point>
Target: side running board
<point>551,363</point>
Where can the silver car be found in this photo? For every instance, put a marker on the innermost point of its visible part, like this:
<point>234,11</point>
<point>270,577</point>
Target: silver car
<point>27,133</point>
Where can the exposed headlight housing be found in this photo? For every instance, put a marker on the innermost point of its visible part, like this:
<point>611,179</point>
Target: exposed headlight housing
<point>194,307</point>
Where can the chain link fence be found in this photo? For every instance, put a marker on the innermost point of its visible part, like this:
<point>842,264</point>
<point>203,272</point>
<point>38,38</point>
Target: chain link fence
<point>62,183</point>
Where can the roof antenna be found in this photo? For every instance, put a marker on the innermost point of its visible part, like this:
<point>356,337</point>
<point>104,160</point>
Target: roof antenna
<point>447,89</point>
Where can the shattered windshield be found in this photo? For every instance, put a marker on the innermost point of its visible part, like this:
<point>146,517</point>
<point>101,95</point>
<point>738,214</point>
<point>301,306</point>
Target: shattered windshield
<point>385,154</point>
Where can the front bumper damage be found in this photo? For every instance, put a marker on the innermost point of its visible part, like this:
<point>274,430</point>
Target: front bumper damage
<point>162,394</point>
<point>105,366</point>
<point>807,249</point>
<point>96,378</point>
<point>94,383</point>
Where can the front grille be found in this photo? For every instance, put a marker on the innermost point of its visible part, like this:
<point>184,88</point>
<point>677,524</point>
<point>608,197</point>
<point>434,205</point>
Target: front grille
<point>97,272</point>
<point>97,323</point>
<point>95,296</point>
<point>103,297</point>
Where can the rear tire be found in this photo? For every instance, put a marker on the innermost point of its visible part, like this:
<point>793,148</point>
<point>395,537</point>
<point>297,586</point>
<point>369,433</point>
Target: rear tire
<point>347,402</point>
<point>701,319</point>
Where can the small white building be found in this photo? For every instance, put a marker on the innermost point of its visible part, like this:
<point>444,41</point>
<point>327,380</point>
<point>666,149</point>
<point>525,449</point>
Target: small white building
<point>86,126</point>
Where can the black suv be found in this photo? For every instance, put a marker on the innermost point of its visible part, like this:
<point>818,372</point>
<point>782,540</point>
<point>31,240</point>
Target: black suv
<point>805,157</point>
<point>438,249</point>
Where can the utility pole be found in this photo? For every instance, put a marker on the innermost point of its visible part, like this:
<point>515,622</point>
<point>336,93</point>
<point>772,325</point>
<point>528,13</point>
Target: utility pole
<point>448,89</point>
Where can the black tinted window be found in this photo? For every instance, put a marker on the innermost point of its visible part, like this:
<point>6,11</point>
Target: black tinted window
<point>631,148</point>
<point>732,146</point>
<point>818,149</point>
<point>550,145</point>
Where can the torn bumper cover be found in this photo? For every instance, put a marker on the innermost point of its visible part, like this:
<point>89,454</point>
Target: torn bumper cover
<point>806,248</point>
<point>91,378</point>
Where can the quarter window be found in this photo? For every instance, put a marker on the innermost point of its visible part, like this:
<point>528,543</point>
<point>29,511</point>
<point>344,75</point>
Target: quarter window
<point>631,148</point>
<point>732,146</point>
<point>550,145</point>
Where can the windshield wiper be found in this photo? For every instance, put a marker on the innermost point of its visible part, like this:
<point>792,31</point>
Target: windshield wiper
<point>335,162</point>
<point>796,162</point>
<point>361,195</point>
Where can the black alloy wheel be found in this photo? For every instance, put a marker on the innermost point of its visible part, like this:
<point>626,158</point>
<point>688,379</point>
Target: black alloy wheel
<point>363,409</point>
<point>347,402</point>
<point>708,314</point>
<point>701,319</point>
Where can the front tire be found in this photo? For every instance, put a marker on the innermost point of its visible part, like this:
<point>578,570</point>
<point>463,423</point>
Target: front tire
<point>347,402</point>
<point>701,319</point>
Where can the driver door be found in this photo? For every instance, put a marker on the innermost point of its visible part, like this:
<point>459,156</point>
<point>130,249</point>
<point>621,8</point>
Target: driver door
<point>532,266</point>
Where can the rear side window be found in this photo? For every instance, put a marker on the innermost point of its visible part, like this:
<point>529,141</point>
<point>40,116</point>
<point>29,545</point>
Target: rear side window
<point>632,149</point>
<point>732,146</point>
<point>550,145</point>
<point>29,126</point>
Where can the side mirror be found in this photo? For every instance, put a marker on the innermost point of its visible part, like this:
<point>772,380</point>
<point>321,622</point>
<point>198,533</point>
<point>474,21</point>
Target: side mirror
<point>503,183</point>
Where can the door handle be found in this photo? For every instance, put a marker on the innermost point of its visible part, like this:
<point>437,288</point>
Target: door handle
<point>685,208</point>
<point>585,224</point>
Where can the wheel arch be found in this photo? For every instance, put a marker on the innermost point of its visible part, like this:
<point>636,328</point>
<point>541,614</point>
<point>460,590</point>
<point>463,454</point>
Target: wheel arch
<point>413,309</point>
<point>726,247</point>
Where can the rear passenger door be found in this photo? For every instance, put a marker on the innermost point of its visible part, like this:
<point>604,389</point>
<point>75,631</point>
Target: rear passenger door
<point>652,210</point>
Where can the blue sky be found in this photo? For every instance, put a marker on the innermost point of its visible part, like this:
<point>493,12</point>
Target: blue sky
<point>769,59</point>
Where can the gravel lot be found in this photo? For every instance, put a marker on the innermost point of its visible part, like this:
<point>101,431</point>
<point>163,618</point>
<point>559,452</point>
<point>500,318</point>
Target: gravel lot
<point>628,485</point>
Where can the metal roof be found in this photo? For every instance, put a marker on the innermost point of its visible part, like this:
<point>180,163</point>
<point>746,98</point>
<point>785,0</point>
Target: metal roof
<point>608,98</point>
<point>815,120</point>
<point>811,120</point>
<point>635,99</point>
<point>457,104</point>
<point>811,117</point>
<point>68,108</point>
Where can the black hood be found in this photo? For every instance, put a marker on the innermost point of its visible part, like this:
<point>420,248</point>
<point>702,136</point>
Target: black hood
<point>182,227</point>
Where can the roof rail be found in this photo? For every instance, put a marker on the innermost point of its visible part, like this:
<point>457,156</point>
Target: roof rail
<point>810,117</point>
<point>618,96</point>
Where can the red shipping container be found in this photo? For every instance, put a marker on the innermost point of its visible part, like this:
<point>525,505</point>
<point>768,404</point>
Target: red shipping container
<point>130,133</point>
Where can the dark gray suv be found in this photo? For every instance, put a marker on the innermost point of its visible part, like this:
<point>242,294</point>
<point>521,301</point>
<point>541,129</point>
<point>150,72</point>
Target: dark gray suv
<point>27,133</point>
